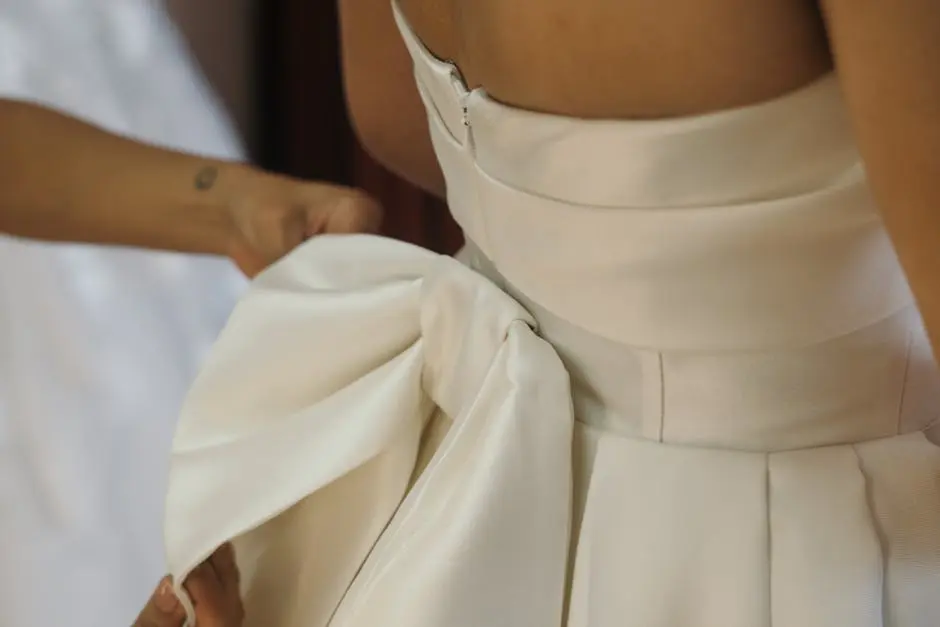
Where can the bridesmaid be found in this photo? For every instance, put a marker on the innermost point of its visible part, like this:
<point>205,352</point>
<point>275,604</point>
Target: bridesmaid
<point>64,180</point>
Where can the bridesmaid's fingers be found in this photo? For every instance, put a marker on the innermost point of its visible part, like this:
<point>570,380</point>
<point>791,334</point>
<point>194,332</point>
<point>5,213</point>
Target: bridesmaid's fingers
<point>223,561</point>
<point>163,609</point>
<point>205,587</point>
<point>213,588</point>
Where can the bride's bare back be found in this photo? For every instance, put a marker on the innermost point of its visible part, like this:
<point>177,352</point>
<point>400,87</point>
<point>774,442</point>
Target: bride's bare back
<point>592,59</point>
<point>627,59</point>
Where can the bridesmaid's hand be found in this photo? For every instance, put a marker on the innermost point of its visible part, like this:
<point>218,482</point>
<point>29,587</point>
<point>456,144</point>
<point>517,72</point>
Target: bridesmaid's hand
<point>213,588</point>
<point>273,214</point>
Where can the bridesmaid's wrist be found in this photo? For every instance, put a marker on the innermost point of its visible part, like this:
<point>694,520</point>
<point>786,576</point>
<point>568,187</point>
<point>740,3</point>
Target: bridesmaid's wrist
<point>214,186</point>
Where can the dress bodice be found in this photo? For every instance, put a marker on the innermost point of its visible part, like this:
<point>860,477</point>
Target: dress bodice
<point>679,260</point>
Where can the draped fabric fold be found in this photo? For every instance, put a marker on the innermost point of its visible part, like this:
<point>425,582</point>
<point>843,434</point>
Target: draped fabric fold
<point>302,436</point>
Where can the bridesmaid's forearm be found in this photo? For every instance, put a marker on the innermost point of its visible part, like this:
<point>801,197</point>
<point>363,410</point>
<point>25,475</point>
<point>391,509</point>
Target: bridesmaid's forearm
<point>64,180</point>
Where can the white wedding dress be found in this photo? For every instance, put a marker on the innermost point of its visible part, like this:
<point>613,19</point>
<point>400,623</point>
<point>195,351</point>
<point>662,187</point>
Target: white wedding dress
<point>682,384</point>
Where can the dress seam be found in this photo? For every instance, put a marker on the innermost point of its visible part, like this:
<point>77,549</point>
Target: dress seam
<point>907,367</point>
<point>876,529</point>
<point>662,396</point>
<point>770,543</point>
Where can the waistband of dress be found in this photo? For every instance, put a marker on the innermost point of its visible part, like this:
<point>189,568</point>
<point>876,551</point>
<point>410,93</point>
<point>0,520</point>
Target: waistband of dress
<point>875,382</point>
<point>793,272</point>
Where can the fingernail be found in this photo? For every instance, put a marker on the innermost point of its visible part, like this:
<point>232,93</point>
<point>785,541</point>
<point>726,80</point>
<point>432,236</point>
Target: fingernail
<point>166,599</point>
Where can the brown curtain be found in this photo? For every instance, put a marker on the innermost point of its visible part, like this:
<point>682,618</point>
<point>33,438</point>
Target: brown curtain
<point>302,128</point>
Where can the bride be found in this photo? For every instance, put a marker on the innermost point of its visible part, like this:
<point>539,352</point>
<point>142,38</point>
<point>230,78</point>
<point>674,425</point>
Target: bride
<point>680,379</point>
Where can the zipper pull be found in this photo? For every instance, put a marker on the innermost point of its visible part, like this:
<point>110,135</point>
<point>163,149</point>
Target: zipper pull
<point>463,93</point>
<point>467,123</point>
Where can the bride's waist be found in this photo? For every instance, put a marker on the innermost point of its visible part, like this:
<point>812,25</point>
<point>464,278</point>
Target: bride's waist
<point>794,271</point>
<point>865,383</point>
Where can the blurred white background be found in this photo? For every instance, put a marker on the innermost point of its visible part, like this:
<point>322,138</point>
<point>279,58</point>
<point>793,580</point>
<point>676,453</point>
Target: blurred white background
<point>98,347</point>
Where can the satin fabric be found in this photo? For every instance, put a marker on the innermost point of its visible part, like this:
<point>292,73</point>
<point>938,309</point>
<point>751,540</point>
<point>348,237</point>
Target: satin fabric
<point>331,430</point>
<point>724,418</point>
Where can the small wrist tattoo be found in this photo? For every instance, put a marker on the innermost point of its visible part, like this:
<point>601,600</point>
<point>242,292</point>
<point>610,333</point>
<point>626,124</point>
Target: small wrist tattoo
<point>206,178</point>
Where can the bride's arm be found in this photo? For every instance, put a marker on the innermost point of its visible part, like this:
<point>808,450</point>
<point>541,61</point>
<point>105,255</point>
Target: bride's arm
<point>383,101</point>
<point>888,55</point>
